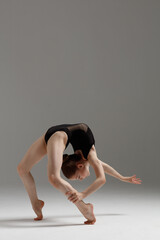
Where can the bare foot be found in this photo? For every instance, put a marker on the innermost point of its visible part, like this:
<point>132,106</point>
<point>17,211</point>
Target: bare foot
<point>37,208</point>
<point>88,214</point>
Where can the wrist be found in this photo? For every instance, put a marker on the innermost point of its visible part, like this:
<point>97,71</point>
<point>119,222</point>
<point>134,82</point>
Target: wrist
<point>122,178</point>
<point>84,194</point>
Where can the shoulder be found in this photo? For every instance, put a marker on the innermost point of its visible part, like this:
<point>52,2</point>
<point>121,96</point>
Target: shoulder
<point>92,157</point>
<point>95,163</point>
<point>92,153</point>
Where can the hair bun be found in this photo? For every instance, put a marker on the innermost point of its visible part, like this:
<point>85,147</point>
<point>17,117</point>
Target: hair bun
<point>79,156</point>
<point>65,157</point>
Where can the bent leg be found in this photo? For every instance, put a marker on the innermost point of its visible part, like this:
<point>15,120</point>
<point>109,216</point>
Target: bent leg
<point>55,148</point>
<point>32,156</point>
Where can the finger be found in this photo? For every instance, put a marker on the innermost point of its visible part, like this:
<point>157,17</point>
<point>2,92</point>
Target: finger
<point>69,199</point>
<point>70,196</point>
<point>137,182</point>
<point>134,179</point>
<point>67,193</point>
<point>73,198</point>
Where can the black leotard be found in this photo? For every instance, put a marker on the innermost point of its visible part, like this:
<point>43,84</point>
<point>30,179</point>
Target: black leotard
<point>79,135</point>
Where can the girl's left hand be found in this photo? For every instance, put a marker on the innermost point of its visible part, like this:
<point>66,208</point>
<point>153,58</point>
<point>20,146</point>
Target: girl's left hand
<point>132,179</point>
<point>75,196</point>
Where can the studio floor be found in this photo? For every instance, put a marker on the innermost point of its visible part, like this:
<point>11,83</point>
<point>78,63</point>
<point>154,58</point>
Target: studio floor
<point>120,213</point>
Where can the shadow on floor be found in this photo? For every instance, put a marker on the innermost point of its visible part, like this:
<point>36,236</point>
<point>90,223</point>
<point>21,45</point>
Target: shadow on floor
<point>31,223</point>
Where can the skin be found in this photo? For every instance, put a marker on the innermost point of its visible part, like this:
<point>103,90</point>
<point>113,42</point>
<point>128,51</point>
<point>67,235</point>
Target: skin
<point>53,149</point>
<point>82,172</point>
<point>34,154</point>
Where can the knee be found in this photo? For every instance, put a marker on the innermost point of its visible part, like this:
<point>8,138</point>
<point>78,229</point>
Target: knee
<point>21,170</point>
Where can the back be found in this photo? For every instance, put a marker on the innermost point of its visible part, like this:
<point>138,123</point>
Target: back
<point>79,135</point>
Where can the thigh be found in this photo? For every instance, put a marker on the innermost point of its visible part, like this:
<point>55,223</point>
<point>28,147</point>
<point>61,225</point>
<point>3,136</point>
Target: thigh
<point>34,154</point>
<point>55,148</point>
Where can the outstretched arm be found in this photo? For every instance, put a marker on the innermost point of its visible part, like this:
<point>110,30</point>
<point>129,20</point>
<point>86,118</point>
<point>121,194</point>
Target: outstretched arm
<point>111,171</point>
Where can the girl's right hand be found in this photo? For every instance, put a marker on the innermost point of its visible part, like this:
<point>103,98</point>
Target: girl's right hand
<point>132,179</point>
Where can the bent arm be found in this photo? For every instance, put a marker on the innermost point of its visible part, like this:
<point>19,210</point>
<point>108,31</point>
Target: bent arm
<point>99,172</point>
<point>94,186</point>
<point>111,171</point>
<point>62,185</point>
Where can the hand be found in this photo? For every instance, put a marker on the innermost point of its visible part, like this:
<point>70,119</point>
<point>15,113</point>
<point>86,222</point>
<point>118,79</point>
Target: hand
<point>75,196</point>
<point>132,179</point>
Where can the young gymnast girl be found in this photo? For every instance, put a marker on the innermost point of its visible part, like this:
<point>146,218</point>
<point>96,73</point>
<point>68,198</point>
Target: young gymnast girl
<point>74,166</point>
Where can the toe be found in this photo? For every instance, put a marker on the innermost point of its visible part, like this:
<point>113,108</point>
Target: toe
<point>89,222</point>
<point>38,218</point>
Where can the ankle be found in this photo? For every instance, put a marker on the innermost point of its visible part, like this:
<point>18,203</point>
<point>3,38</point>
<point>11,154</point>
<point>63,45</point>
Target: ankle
<point>35,203</point>
<point>82,206</point>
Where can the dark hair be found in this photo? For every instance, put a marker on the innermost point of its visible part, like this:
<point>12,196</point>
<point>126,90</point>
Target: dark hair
<point>69,166</point>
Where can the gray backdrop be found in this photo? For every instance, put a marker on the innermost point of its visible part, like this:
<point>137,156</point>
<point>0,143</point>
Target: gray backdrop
<point>69,61</point>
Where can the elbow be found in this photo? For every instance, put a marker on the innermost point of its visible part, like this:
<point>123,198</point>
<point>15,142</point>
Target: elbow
<point>103,180</point>
<point>54,181</point>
